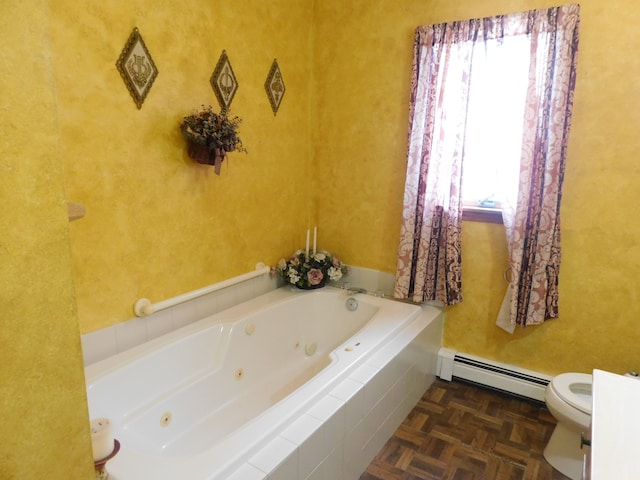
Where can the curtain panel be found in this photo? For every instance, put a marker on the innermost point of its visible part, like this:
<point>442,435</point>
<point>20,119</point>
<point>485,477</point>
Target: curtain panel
<point>532,220</point>
<point>429,259</point>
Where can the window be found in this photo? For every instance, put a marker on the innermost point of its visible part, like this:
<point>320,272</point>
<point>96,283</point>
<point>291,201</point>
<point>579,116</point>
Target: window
<point>499,73</point>
<point>451,59</point>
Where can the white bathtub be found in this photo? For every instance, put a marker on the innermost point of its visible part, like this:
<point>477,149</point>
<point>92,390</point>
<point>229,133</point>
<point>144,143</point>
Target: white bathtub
<point>289,385</point>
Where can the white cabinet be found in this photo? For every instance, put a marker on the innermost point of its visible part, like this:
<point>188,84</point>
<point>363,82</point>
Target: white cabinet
<point>615,426</point>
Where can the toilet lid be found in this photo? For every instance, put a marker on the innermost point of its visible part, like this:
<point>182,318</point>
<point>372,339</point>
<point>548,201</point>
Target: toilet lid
<point>562,386</point>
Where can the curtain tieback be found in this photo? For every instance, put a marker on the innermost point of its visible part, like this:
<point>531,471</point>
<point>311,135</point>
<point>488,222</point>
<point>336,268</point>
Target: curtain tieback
<point>507,275</point>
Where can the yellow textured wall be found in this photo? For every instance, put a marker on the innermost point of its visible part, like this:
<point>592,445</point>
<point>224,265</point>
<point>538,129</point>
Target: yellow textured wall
<point>363,55</point>
<point>44,427</point>
<point>158,224</point>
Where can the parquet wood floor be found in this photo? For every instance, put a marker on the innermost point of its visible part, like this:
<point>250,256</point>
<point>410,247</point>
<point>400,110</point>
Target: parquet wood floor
<point>460,431</point>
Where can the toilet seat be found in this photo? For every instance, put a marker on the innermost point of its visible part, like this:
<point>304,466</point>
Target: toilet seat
<point>581,382</point>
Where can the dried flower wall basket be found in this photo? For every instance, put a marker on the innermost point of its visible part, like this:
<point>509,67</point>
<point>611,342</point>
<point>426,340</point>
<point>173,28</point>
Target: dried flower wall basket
<point>201,154</point>
<point>211,135</point>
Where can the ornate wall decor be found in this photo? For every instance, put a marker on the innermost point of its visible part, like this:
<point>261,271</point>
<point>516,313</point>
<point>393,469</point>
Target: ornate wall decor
<point>224,82</point>
<point>136,67</point>
<point>275,86</point>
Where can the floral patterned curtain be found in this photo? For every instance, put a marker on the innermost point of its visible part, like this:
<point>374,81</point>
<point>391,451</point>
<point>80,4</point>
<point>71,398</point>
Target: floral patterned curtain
<point>429,260</point>
<point>429,265</point>
<point>532,218</point>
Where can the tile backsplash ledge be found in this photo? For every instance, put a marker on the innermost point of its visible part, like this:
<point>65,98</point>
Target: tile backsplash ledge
<point>117,338</point>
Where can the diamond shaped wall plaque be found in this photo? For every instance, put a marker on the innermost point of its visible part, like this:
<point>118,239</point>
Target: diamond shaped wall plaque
<point>275,86</point>
<point>224,82</point>
<point>136,67</point>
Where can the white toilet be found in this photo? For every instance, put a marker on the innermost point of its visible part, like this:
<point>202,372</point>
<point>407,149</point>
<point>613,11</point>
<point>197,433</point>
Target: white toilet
<point>568,398</point>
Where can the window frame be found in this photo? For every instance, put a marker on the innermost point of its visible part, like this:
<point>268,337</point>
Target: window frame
<point>482,214</point>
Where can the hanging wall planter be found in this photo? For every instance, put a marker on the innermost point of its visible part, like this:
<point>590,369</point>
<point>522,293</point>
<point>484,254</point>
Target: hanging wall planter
<point>211,136</point>
<point>201,154</point>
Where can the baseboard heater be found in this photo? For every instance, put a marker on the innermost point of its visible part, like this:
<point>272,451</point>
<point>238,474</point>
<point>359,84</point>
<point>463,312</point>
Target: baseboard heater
<point>507,378</point>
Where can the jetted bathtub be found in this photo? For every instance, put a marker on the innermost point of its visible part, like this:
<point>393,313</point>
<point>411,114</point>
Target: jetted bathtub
<point>290,385</point>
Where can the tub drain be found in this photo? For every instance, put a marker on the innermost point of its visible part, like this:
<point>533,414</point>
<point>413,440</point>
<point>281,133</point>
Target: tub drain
<point>165,419</point>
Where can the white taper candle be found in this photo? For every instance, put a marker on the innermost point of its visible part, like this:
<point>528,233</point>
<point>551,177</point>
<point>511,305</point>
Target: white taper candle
<point>306,250</point>
<point>315,236</point>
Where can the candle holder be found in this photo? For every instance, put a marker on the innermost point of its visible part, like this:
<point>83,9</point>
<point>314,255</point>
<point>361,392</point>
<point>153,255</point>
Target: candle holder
<point>101,465</point>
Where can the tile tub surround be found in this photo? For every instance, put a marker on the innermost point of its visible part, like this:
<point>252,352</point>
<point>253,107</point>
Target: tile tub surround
<point>117,338</point>
<point>339,436</point>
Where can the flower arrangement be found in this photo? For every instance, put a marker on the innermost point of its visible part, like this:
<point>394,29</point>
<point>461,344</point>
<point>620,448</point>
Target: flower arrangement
<point>215,130</point>
<point>211,135</point>
<point>311,271</point>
